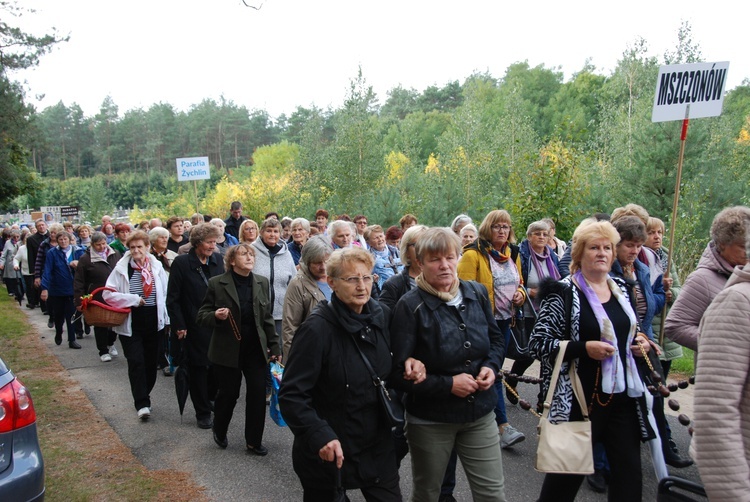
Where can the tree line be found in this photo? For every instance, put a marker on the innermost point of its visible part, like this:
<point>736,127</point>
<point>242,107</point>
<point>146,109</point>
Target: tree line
<point>527,141</point>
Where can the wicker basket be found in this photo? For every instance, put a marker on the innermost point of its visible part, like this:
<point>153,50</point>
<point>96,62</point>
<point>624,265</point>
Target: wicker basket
<point>100,314</point>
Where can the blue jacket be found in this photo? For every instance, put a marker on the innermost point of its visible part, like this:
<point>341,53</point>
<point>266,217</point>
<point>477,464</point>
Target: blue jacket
<point>57,277</point>
<point>655,296</point>
<point>231,239</point>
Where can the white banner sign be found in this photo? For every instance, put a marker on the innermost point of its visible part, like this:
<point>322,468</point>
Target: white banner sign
<point>697,87</point>
<point>193,168</point>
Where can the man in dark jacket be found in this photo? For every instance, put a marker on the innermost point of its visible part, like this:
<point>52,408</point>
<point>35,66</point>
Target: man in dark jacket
<point>188,281</point>
<point>32,247</point>
<point>235,219</point>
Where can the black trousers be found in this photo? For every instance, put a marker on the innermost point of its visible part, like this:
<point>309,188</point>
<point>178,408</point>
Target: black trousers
<point>199,390</point>
<point>105,338</point>
<point>228,382</point>
<point>141,352</point>
<point>62,309</point>
<point>385,491</point>
<point>616,426</point>
<point>32,294</point>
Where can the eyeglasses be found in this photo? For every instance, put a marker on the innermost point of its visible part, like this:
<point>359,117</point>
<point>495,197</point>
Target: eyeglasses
<point>500,228</point>
<point>355,280</point>
<point>361,222</point>
<point>539,234</point>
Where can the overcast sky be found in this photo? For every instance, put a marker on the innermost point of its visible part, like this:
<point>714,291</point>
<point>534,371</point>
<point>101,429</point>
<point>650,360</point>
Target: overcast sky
<point>301,52</point>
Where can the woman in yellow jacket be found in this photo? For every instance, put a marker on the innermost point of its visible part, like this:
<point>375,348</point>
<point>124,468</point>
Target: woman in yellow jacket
<point>490,261</point>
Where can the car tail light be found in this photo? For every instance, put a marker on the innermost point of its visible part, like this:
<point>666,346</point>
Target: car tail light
<point>16,407</point>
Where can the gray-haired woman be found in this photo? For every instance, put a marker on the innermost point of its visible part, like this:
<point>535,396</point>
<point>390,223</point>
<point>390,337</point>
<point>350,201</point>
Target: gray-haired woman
<point>300,229</point>
<point>94,268</point>
<point>725,251</point>
<point>11,275</point>
<point>460,222</point>
<point>188,283</point>
<point>308,288</point>
<point>159,238</point>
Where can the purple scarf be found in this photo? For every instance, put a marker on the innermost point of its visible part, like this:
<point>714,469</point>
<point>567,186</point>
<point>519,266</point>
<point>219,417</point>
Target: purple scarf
<point>613,377</point>
<point>547,257</point>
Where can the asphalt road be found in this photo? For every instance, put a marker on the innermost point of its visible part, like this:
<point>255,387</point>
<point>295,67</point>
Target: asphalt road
<point>169,442</point>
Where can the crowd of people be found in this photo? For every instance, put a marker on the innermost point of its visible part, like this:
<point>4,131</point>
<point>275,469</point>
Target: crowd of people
<point>427,315</point>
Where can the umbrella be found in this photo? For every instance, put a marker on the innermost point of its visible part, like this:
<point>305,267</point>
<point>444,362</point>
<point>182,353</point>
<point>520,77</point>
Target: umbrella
<point>16,287</point>
<point>339,492</point>
<point>182,380</point>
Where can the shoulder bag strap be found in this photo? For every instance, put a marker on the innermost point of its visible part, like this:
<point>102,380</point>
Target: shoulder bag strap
<point>375,378</point>
<point>574,379</point>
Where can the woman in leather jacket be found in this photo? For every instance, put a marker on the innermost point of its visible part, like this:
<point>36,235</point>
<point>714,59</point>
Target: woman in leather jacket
<point>448,325</point>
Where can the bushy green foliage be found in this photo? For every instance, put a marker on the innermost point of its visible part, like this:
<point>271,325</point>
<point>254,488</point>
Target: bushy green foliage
<point>527,142</point>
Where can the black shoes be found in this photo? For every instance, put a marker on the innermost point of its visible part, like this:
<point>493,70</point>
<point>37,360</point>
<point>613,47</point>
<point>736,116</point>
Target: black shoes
<point>74,345</point>
<point>261,450</point>
<point>512,399</point>
<point>58,339</point>
<point>221,441</point>
<point>205,423</point>
<point>676,461</point>
<point>597,482</point>
<point>50,324</point>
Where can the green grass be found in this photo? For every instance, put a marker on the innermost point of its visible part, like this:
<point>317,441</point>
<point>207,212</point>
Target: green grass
<point>684,365</point>
<point>84,459</point>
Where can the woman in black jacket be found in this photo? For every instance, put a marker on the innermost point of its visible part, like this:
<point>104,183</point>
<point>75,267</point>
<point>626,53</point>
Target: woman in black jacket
<point>94,267</point>
<point>327,395</point>
<point>396,286</point>
<point>449,325</point>
<point>188,282</point>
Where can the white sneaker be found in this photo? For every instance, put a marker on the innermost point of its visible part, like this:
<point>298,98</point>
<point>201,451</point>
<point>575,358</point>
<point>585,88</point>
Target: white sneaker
<point>144,413</point>
<point>510,436</point>
<point>105,358</point>
<point>113,351</point>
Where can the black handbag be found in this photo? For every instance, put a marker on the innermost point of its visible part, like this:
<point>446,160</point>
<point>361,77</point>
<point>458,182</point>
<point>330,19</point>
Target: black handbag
<point>518,346</point>
<point>391,407</point>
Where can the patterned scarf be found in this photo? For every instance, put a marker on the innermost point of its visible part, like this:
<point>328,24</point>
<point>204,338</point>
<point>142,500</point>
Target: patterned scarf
<point>613,378</point>
<point>147,279</point>
<point>446,297</point>
<point>499,256</point>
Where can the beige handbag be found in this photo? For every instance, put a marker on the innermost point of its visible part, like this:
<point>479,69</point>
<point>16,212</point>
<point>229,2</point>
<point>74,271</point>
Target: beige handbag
<point>565,447</point>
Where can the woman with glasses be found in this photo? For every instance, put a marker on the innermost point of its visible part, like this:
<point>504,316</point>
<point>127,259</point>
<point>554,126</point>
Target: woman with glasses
<point>538,261</point>
<point>249,231</point>
<point>327,395</point>
<point>238,307</point>
<point>494,261</point>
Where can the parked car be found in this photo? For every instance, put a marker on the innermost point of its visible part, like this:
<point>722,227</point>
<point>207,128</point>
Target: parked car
<point>21,463</point>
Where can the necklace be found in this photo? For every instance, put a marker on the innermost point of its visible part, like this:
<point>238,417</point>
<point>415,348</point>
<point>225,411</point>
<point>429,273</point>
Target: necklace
<point>595,396</point>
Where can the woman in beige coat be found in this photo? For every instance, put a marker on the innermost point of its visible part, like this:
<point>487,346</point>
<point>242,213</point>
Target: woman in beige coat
<point>721,440</point>
<point>306,289</point>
